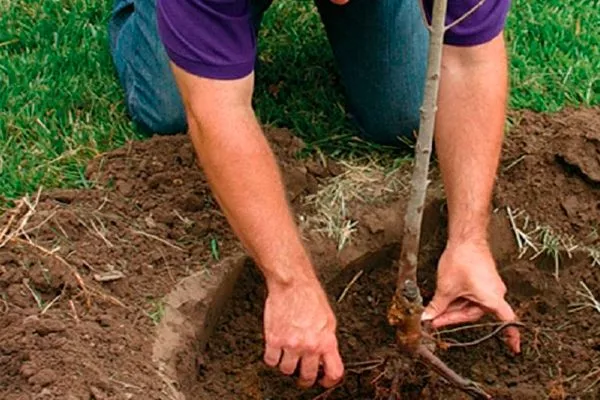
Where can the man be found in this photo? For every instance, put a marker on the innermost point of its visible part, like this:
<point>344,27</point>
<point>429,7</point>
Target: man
<point>204,83</point>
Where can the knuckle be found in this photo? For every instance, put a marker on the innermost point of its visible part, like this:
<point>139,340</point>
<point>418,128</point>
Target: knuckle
<point>292,342</point>
<point>311,346</point>
<point>273,340</point>
<point>331,343</point>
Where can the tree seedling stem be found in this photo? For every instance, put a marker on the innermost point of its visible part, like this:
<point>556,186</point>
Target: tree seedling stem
<point>407,305</point>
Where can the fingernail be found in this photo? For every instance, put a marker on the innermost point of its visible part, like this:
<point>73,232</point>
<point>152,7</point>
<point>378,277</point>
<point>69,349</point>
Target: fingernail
<point>426,316</point>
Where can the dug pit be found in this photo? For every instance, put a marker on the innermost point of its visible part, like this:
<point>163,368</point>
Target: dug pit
<point>557,342</point>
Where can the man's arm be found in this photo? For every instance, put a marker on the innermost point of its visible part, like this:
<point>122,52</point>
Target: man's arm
<point>245,179</point>
<point>470,124</point>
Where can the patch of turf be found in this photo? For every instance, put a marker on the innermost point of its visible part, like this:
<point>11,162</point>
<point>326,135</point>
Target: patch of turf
<point>555,54</point>
<point>60,103</point>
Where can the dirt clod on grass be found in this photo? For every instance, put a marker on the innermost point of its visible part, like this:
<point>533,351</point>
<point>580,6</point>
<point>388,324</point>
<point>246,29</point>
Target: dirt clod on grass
<point>150,221</point>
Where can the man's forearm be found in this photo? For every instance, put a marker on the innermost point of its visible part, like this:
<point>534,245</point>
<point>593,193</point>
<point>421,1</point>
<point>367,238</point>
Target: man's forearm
<point>245,179</point>
<point>243,175</point>
<point>470,124</point>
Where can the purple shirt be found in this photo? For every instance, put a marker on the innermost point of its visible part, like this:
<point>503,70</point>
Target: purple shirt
<point>215,38</point>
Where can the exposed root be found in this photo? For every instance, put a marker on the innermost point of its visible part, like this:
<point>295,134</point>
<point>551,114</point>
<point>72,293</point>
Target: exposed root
<point>394,390</point>
<point>126,385</point>
<point>490,335</point>
<point>467,386</point>
<point>469,327</point>
<point>364,366</point>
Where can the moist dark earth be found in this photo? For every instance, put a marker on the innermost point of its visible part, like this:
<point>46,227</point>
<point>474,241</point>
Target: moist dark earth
<point>83,272</point>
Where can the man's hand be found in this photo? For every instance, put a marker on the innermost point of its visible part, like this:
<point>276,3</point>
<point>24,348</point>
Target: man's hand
<point>300,331</point>
<point>468,287</point>
<point>245,179</point>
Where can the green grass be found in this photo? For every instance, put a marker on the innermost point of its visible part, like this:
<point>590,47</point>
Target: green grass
<point>60,103</point>
<point>555,54</point>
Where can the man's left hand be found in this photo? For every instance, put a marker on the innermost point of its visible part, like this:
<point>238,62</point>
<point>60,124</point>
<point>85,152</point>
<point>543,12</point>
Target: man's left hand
<point>468,287</point>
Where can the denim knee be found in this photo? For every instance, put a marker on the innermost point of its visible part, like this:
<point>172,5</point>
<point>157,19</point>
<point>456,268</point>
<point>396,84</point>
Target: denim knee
<point>390,127</point>
<point>166,125</point>
<point>160,112</point>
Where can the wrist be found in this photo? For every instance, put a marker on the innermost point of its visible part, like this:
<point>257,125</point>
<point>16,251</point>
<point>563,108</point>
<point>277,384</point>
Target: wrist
<point>276,285</point>
<point>289,272</point>
<point>475,234</point>
<point>468,225</point>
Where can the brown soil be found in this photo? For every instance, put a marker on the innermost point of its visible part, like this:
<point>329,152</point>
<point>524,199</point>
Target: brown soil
<point>551,169</point>
<point>150,219</point>
<point>67,333</point>
<point>557,344</point>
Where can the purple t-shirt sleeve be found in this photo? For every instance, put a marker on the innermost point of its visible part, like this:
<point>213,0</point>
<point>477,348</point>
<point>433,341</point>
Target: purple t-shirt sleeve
<point>210,38</point>
<point>478,28</point>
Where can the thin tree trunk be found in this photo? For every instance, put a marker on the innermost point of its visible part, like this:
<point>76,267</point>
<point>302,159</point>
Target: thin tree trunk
<point>407,305</point>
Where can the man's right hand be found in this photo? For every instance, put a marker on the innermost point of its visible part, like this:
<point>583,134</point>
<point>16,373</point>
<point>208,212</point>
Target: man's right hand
<point>300,330</point>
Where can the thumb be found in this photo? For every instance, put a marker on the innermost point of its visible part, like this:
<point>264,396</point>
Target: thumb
<point>436,306</point>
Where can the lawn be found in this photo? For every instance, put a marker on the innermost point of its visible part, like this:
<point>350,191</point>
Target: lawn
<point>60,103</point>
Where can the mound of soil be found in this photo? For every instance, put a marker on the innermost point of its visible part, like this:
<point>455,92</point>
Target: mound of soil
<point>551,169</point>
<point>83,274</point>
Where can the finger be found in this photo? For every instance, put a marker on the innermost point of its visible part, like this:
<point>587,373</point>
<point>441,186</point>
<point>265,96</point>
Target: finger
<point>505,313</point>
<point>289,361</point>
<point>436,306</point>
<point>466,314</point>
<point>458,304</point>
<point>333,368</point>
<point>272,356</point>
<point>309,368</point>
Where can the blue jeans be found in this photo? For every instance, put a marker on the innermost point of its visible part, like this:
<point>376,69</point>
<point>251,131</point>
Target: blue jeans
<point>380,49</point>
